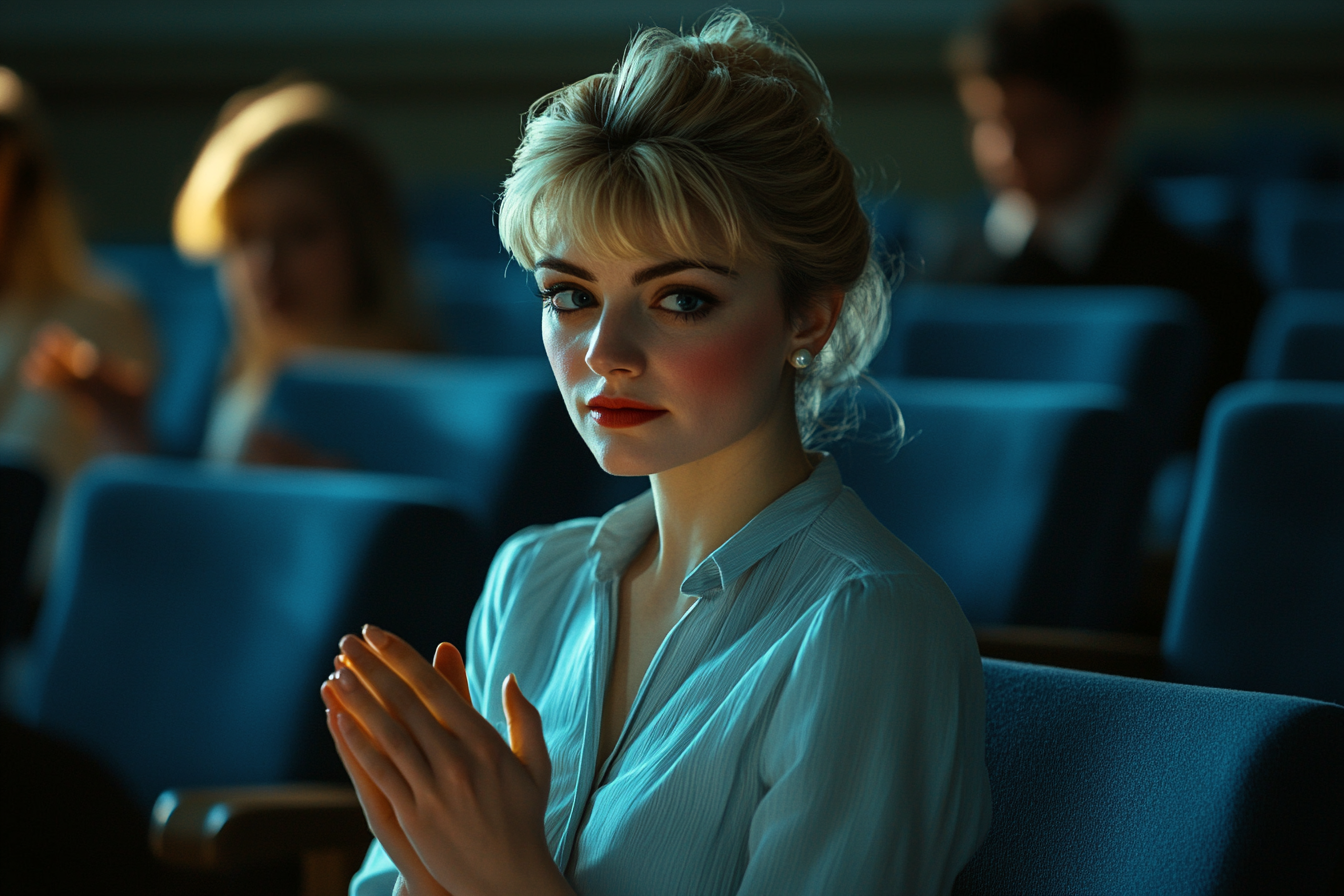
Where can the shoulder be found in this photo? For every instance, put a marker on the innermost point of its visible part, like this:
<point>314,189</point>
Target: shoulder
<point>1144,246</point>
<point>883,597</point>
<point>549,546</point>
<point>550,553</point>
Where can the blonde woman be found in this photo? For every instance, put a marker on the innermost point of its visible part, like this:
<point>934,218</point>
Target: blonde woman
<point>738,682</point>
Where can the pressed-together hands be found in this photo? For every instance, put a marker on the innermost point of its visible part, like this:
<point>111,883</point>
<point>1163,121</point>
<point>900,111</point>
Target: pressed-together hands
<point>457,809</point>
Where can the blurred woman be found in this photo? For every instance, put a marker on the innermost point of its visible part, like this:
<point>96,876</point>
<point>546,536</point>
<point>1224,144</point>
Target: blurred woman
<point>301,217</point>
<point>49,293</point>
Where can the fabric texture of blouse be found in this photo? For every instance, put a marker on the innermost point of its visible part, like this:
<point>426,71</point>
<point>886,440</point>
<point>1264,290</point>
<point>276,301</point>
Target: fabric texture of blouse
<point>813,724</point>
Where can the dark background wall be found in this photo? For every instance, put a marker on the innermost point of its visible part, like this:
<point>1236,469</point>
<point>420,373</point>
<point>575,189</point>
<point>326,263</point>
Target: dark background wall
<point>131,86</point>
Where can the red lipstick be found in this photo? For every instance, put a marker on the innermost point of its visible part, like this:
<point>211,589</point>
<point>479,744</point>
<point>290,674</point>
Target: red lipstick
<point>621,413</point>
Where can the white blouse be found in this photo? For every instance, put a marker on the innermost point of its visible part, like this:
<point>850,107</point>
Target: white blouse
<point>814,724</point>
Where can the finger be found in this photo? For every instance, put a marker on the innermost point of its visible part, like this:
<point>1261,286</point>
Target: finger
<point>435,693</point>
<point>448,663</point>
<point>525,734</point>
<point>388,734</point>
<point>372,798</point>
<point>438,746</point>
<point>368,765</point>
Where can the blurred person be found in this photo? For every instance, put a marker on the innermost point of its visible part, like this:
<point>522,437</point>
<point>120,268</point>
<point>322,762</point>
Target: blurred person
<point>738,682</point>
<point>1046,87</point>
<point>50,295</point>
<point>301,216</point>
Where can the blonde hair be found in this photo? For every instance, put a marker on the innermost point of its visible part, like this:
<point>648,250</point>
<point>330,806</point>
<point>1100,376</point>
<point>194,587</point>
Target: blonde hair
<point>719,141</point>
<point>297,128</point>
<point>43,256</point>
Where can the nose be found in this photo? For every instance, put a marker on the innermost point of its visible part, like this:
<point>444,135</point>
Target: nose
<point>615,346</point>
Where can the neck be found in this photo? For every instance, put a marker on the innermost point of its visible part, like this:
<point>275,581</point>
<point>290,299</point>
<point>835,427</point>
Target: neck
<point>702,504</point>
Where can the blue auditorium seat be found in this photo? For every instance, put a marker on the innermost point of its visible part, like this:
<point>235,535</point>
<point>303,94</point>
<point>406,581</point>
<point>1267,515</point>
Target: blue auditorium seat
<point>1258,596</point>
<point>1146,341</point>
<point>1016,493</point>
<point>494,427</point>
<point>192,334</point>
<point>1298,229</point>
<point>1104,784</point>
<point>1205,207</point>
<point>481,306</point>
<point>194,611</point>
<point>1299,336</point>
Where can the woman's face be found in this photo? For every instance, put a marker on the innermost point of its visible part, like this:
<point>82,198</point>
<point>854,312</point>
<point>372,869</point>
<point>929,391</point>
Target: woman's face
<point>665,361</point>
<point>289,258</point>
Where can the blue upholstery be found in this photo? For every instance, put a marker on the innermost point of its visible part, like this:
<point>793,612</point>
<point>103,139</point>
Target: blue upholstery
<point>193,612</point>
<point>1258,597</point>
<point>1298,229</point>
<point>1205,207</point>
<point>192,333</point>
<point>1146,341</point>
<point>1116,785</point>
<point>1299,336</point>
<point>496,428</point>
<point>1016,493</point>
<point>481,306</point>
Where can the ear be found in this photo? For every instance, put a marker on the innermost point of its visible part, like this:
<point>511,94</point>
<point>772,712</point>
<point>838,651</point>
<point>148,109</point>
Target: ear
<point>817,320</point>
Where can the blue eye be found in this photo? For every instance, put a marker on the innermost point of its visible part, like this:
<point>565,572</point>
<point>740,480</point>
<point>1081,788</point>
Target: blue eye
<point>567,298</point>
<point>684,303</point>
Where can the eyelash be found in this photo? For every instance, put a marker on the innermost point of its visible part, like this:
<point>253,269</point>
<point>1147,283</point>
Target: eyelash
<point>708,301</point>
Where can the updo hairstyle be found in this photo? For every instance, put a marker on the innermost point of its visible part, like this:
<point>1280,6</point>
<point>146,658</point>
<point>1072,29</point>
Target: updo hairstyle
<point>701,145</point>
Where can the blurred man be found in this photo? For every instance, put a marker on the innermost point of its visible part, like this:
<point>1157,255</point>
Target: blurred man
<point>1046,88</point>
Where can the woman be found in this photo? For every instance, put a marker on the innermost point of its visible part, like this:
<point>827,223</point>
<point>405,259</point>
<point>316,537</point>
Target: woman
<point>49,291</point>
<point>738,682</point>
<point>302,218</point>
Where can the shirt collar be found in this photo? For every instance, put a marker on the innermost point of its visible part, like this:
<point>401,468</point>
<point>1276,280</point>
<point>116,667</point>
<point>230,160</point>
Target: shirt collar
<point>622,532</point>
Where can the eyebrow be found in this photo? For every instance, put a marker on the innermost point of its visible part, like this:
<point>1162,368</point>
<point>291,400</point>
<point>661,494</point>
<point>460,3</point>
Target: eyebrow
<point>644,276</point>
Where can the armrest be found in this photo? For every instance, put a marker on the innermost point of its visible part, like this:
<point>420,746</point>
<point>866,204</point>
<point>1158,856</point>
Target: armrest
<point>1114,653</point>
<point>231,828</point>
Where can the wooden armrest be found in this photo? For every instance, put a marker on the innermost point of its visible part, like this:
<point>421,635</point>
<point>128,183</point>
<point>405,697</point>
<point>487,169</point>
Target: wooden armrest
<point>226,829</point>
<point>1114,653</point>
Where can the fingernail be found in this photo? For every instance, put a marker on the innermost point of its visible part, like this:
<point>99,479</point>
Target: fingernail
<point>375,636</point>
<point>346,679</point>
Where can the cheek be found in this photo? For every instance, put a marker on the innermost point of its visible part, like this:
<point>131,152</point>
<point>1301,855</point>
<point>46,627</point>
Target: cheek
<point>737,364</point>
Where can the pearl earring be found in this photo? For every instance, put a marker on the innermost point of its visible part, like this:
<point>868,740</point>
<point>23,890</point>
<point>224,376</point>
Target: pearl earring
<point>801,359</point>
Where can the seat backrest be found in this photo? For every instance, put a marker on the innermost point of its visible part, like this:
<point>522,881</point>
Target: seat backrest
<point>496,428</point>
<point>1018,494</point>
<point>1206,207</point>
<point>1298,228</point>
<point>1144,340</point>
<point>192,333</point>
<point>1299,336</point>
<point>481,306</point>
<point>193,612</point>
<point>1104,784</point>
<point>1257,601</point>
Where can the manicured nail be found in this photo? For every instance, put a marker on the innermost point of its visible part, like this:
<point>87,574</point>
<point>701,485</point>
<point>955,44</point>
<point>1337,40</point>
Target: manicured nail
<point>375,636</point>
<point>346,679</point>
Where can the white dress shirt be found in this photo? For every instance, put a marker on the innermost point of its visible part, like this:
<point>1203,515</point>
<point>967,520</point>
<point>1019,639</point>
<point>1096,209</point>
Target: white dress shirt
<point>813,724</point>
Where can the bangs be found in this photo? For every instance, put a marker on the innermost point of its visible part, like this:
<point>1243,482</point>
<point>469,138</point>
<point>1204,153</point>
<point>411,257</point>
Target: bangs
<point>639,201</point>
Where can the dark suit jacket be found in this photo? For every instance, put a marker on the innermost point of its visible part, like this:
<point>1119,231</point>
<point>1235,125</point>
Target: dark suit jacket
<point>1140,249</point>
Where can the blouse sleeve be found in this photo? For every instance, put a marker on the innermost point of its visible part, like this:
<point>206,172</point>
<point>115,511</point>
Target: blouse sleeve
<point>874,758</point>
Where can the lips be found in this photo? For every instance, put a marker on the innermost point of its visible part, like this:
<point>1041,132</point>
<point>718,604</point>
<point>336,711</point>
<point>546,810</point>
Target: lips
<point>621,413</point>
